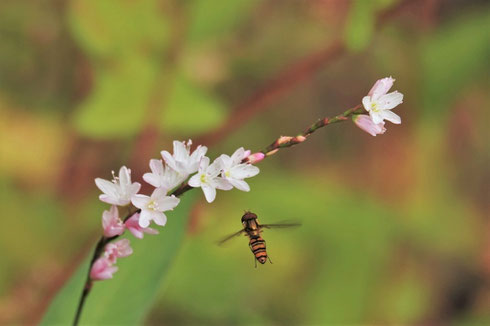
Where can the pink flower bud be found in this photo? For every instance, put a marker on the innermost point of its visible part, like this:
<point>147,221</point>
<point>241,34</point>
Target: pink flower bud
<point>132,224</point>
<point>111,223</point>
<point>102,269</point>
<point>256,157</point>
<point>300,138</point>
<point>117,249</point>
<point>381,87</point>
<point>365,123</point>
<point>246,154</point>
<point>283,140</point>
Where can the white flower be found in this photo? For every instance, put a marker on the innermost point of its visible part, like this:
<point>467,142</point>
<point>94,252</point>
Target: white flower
<point>120,190</point>
<point>208,179</point>
<point>183,161</point>
<point>152,207</point>
<point>379,104</point>
<point>234,171</point>
<point>163,176</point>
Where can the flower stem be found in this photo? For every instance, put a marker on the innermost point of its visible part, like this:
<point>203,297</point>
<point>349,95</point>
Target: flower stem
<point>279,143</point>
<point>283,142</point>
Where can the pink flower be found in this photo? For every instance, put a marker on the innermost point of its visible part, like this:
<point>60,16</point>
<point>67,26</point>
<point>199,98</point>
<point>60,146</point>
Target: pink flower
<point>134,227</point>
<point>255,157</point>
<point>111,223</point>
<point>102,269</point>
<point>379,102</point>
<point>366,123</point>
<point>381,87</point>
<point>246,154</point>
<point>117,249</point>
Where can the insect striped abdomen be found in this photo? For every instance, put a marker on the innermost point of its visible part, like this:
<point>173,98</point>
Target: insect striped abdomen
<point>257,245</point>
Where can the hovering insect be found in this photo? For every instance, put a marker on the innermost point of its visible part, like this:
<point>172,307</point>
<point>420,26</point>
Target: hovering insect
<point>252,229</point>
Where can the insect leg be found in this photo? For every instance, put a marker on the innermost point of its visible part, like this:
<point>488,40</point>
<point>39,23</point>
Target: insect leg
<point>270,261</point>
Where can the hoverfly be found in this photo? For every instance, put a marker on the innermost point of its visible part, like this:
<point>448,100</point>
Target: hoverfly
<point>253,229</point>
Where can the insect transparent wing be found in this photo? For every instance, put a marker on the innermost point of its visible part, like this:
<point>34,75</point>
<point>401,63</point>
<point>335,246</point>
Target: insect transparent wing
<point>231,236</point>
<point>281,225</point>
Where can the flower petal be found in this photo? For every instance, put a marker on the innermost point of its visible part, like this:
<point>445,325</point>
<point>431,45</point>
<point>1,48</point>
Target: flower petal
<point>195,180</point>
<point>140,201</point>
<point>209,193</point>
<point>222,184</point>
<point>167,203</point>
<point>243,171</point>
<point>159,218</point>
<point>391,116</point>
<point>124,176</point>
<point>153,179</point>
<point>107,187</point>
<point>240,184</point>
<point>145,218</point>
<point>366,102</point>
<point>391,100</point>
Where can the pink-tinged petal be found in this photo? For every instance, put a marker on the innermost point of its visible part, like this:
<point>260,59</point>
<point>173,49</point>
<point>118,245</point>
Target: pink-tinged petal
<point>111,223</point>
<point>134,188</point>
<point>152,179</point>
<point>132,224</point>
<point>203,164</point>
<point>376,117</point>
<point>145,218</point>
<point>137,232</point>
<point>256,157</point>
<point>169,159</point>
<point>215,168</point>
<point>108,199</point>
<point>240,184</point>
<point>243,171</point>
<point>390,116</point>
<point>159,218</point>
<point>167,203</point>
<point>389,101</point>
<point>140,201</point>
<point>124,176</point>
<point>246,154</point>
<point>156,166</point>
<point>209,193</point>
<point>181,152</point>
<point>366,102</point>
<point>102,269</point>
<point>381,87</point>
<point>365,123</point>
<point>150,231</point>
<point>222,184</point>
<point>158,193</point>
<point>238,155</point>
<point>195,181</point>
<point>107,187</point>
<point>226,161</point>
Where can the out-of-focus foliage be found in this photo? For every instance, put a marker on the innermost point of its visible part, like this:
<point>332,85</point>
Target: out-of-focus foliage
<point>394,227</point>
<point>127,299</point>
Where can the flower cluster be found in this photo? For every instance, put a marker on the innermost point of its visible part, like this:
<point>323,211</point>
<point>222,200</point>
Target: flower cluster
<point>104,268</point>
<point>224,173</point>
<point>379,103</point>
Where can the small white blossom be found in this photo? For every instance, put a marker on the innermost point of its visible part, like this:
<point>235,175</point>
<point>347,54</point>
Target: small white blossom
<point>208,179</point>
<point>379,104</point>
<point>234,171</point>
<point>120,190</point>
<point>182,160</point>
<point>152,207</point>
<point>163,176</point>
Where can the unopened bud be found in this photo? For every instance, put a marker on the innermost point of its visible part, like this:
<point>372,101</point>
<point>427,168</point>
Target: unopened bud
<point>300,139</point>
<point>255,157</point>
<point>272,152</point>
<point>283,140</point>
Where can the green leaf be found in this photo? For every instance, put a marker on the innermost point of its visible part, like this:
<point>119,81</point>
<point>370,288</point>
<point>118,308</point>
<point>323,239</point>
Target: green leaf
<point>191,110</point>
<point>126,299</point>
<point>117,105</point>
<point>452,58</point>
<point>109,27</point>
<point>360,22</point>
<point>213,18</point>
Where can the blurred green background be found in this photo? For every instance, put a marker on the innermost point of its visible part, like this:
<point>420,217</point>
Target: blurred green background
<point>395,228</point>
